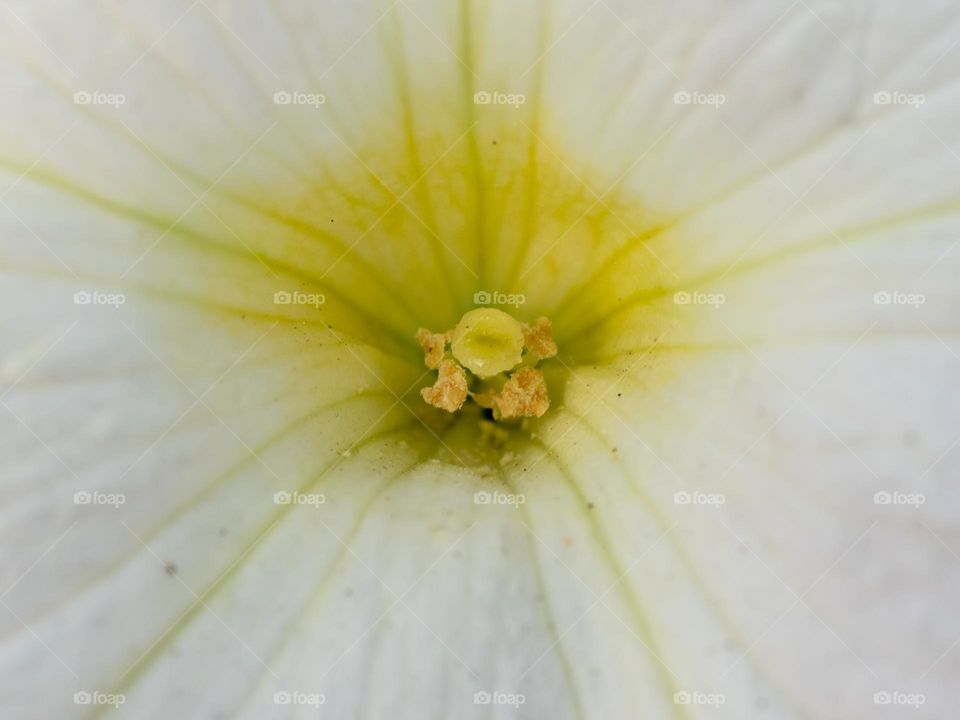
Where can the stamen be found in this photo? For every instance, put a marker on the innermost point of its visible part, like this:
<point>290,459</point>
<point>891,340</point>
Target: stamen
<point>433,346</point>
<point>523,395</point>
<point>492,360</point>
<point>450,390</point>
<point>539,338</point>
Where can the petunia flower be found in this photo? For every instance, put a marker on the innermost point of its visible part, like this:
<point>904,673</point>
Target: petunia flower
<point>222,226</point>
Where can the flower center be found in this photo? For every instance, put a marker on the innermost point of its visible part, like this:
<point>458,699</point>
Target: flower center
<point>492,360</point>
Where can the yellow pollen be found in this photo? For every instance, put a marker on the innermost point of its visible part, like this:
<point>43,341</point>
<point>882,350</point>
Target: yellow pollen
<point>492,359</point>
<point>450,390</point>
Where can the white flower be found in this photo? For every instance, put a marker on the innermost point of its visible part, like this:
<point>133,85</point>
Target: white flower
<point>221,225</point>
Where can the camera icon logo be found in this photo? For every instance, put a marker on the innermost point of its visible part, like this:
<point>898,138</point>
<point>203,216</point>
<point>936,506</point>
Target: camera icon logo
<point>682,498</point>
<point>82,497</point>
<point>282,697</point>
<point>882,698</point>
<point>82,98</point>
<point>82,297</point>
<point>481,298</point>
<point>82,698</point>
<point>282,297</point>
<point>682,98</point>
<point>282,98</point>
<point>482,97</point>
<point>482,498</point>
<point>882,298</point>
<point>883,498</point>
<point>682,298</point>
<point>282,498</point>
<point>882,98</point>
<point>481,698</point>
<point>682,698</point>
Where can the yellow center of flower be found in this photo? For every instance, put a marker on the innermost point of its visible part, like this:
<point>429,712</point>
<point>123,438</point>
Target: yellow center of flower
<point>500,354</point>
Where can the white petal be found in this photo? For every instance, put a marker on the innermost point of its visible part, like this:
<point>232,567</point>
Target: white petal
<point>599,198</point>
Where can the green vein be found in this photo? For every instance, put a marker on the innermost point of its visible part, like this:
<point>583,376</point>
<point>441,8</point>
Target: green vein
<point>323,586</point>
<point>120,209</point>
<point>179,511</point>
<point>415,161</point>
<point>234,311</point>
<point>476,168</point>
<point>157,650</point>
<point>641,620</point>
<point>825,241</point>
<point>530,178</point>
<point>566,664</point>
<point>293,222</point>
<point>713,602</point>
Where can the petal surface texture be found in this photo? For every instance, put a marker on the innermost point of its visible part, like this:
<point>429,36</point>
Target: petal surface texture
<point>221,226</point>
